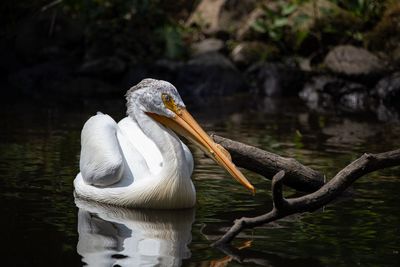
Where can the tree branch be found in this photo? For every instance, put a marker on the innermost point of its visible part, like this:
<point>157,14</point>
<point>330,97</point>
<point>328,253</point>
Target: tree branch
<point>284,207</point>
<point>297,176</point>
<point>277,193</point>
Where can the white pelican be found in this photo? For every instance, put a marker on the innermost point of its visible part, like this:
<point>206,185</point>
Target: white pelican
<point>140,162</point>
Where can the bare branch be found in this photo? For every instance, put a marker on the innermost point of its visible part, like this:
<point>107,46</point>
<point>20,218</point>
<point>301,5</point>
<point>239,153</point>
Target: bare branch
<point>284,207</point>
<point>277,194</point>
<point>297,176</point>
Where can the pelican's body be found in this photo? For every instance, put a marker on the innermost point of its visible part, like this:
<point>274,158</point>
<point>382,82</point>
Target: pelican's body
<point>146,174</point>
<point>139,162</point>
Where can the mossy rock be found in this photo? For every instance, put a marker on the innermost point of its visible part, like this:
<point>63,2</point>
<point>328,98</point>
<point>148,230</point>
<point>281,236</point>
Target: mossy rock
<point>353,61</point>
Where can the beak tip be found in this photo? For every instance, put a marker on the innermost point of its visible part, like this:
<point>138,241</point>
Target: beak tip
<point>253,191</point>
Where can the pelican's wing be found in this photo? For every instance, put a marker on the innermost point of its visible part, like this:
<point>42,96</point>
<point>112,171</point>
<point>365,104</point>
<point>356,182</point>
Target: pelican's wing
<point>101,162</point>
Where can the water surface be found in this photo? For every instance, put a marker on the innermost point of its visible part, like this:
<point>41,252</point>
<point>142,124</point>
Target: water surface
<point>43,225</point>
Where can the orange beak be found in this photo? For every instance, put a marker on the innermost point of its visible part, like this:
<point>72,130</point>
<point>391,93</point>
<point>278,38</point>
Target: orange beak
<point>184,124</point>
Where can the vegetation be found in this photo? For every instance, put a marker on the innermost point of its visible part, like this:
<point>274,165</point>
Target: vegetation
<point>294,24</point>
<point>141,30</point>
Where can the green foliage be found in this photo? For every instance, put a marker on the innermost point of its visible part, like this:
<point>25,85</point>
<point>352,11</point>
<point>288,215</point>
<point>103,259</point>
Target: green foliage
<point>274,21</point>
<point>368,10</point>
<point>290,22</point>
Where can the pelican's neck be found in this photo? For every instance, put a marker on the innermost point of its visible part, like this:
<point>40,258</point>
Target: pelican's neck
<point>170,146</point>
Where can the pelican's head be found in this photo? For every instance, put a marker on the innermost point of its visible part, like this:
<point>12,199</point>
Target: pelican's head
<point>150,95</point>
<point>161,101</point>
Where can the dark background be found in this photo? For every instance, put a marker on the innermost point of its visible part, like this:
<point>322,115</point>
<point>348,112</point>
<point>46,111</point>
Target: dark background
<point>338,56</point>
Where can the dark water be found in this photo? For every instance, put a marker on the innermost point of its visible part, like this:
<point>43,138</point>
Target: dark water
<point>41,224</point>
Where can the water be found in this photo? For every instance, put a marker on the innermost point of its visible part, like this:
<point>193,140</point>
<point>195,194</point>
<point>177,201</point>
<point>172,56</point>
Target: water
<point>41,225</point>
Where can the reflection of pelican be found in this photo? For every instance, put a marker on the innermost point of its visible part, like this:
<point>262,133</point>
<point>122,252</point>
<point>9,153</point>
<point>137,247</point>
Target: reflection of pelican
<point>140,162</point>
<point>111,236</point>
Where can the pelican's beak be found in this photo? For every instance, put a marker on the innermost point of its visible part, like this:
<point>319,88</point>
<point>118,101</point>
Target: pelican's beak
<point>184,124</point>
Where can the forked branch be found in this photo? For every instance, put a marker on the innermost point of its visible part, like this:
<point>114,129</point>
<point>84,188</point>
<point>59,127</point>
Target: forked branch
<point>336,186</point>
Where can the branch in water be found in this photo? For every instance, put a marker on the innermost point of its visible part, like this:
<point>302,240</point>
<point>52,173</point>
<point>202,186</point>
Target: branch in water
<point>284,207</point>
<point>297,176</point>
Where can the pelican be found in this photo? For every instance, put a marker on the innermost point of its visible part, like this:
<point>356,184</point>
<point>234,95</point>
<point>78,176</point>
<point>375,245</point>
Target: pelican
<point>140,162</point>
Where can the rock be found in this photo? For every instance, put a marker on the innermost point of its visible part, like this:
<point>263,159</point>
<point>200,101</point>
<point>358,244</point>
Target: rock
<point>214,16</point>
<point>246,53</point>
<point>304,64</point>
<point>351,60</point>
<point>330,93</point>
<point>103,67</point>
<point>207,45</point>
<point>209,74</point>
<point>313,93</point>
<point>276,79</point>
<point>387,91</point>
<point>356,101</point>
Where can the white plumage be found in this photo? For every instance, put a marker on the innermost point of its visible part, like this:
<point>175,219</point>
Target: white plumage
<point>137,171</point>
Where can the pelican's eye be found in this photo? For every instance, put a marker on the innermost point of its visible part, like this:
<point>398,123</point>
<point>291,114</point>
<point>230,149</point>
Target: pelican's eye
<point>170,103</point>
<point>167,98</point>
